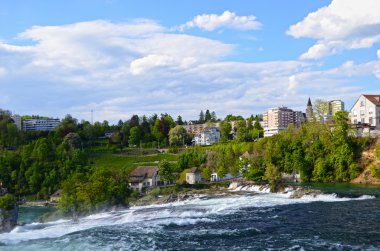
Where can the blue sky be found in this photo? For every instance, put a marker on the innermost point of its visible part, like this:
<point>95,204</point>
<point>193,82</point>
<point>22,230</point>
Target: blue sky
<point>120,58</point>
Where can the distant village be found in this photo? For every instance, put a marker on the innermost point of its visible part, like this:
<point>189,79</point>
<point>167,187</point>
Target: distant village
<point>364,116</point>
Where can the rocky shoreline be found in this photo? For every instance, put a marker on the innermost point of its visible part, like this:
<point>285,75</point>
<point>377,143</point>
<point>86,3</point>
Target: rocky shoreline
<point>235,188</point>
<point>8,219</point>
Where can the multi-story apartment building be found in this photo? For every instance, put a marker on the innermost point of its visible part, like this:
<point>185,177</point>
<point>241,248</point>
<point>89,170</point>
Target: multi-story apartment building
<point>335,106</point>
<point>209,136</point>
<point>366,110</point>
<point>40,124</point>
<point>17,119</point>
<point>279,118</point>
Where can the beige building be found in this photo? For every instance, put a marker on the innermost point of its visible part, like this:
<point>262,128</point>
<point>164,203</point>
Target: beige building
<point>335,106</point>
<point>194,176</point>
<point>279,118</point>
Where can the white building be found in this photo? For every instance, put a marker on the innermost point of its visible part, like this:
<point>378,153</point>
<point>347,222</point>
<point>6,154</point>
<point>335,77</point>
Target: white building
<point>145,177</point>
<point>279,118</point>
<point>40,124</point>
<point>194,176</point>
<point>366,110</point>
<point>208,137</point>
<point>17,119</point>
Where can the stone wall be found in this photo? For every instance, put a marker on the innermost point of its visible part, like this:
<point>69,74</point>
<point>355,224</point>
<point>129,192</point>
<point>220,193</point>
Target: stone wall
<point>8,219</point>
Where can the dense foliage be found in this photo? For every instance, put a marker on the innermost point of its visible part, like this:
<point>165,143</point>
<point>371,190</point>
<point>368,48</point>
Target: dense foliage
<point>318,152</point>
<point>7,202</point>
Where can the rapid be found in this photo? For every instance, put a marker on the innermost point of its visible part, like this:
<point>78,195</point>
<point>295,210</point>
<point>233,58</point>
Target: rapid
<point>246,218</point>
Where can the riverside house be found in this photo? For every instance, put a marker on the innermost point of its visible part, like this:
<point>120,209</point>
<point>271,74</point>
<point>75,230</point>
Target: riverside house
<point>194,176</point>
<point>144,177</point>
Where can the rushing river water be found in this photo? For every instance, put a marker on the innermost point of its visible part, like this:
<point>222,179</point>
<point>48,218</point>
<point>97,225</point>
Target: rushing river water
<point>255,221</point>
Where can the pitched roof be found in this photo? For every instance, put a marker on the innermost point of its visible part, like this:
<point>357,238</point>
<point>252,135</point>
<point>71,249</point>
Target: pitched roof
<point>58,193</point>
<point>194,170</point>
<point>246,155</point>
<point>375,99</point>
<point>141,173</point>
<point>309,102</point>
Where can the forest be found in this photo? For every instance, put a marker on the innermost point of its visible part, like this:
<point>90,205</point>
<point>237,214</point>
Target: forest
<point>33,165</point>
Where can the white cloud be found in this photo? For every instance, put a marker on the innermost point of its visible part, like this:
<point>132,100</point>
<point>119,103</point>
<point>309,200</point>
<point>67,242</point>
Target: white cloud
<point>344,24</point>
<point>140,65</point>
<point>142,68</point>
<point>227,19</point>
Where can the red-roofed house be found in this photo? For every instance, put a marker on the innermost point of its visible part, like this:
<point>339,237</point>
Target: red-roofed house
<point>366,110</point>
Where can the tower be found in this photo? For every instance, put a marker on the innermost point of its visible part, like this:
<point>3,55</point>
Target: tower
<point>309,111</point>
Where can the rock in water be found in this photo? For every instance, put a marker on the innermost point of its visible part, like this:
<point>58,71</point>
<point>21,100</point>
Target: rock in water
<point>8,219</point>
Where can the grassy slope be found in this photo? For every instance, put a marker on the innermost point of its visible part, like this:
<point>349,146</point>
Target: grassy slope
<point>128,161</point>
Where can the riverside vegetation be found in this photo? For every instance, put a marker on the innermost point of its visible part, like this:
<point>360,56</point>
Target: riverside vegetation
<point>93,172</point>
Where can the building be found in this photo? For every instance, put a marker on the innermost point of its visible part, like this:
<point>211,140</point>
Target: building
<point>55,197</point>
<point>279,118</point>
<point>17,119</point>
<point>40,124</point>
<point>144,177</point>
<point>366,111</point>
<point>335,106</point>
<point>209,136</point>
<point>194,176</point>
<point>309,111</point>
<point>195,129</point>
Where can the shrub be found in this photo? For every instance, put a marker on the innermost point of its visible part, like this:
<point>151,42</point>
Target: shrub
<point>7,202</point>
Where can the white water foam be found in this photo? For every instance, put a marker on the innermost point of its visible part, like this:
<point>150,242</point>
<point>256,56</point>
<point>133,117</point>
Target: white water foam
<point>192,211</point>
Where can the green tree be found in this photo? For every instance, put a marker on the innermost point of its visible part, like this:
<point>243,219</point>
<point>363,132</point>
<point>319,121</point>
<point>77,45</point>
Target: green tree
<point>179,120</point>
<point>225,130</point>
<point>135,136</point>
<point>207,116</point>
<point>178,136</point>
<point>273,176</point>
<point>201,117</point>
<point>165,171</point>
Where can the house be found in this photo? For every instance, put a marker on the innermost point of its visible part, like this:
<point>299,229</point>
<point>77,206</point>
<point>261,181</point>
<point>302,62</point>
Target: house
<point>209,136</point>
<point>194,176</point>
<point>55,197</point>
<point>365,113</point>
<point>145,177</point>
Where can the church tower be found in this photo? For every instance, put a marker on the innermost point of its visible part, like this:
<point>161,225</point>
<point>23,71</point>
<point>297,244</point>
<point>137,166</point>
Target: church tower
<point>309,111</point>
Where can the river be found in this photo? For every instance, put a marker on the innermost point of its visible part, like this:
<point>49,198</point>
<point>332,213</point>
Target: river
<point>346,217</point>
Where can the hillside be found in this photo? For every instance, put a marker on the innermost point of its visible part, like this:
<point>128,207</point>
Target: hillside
<point>370,162</point>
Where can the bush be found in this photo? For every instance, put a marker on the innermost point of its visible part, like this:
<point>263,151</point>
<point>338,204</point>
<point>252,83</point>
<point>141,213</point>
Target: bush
<point>7,202</point>
<point>375,171</point>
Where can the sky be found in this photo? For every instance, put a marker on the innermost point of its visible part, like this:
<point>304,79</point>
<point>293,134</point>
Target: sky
<point>125,57</point>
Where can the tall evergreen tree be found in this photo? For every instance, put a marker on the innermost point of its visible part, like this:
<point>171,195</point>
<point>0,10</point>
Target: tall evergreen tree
<point>179,120</point>
<point>201,117</point>
<point>208,115</point>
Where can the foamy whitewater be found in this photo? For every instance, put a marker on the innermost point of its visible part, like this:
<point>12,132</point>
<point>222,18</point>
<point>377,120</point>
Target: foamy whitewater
<point>150,220</point>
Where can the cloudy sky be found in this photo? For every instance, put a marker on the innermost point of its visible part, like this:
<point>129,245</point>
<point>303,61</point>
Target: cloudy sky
<point>124,57</point>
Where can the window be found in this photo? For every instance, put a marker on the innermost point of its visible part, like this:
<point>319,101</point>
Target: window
<point>362,113</point>
<point>361,103</point>
<point>362,120</point>
<point>355,121</point>
<point>370,120</point>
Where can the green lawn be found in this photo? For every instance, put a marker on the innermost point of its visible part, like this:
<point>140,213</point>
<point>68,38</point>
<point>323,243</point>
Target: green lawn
<point>129,162</point>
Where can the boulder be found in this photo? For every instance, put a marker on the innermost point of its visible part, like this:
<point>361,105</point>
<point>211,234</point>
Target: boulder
<point>8,219</point>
